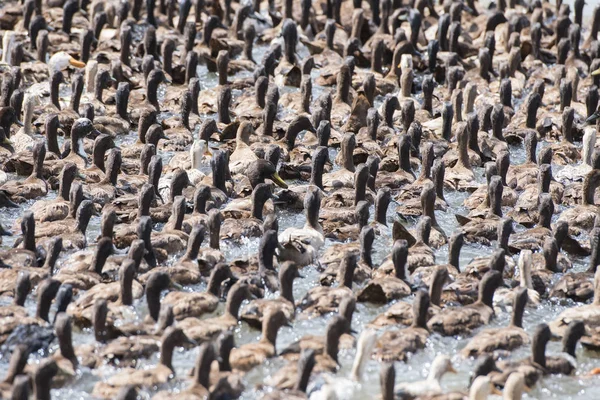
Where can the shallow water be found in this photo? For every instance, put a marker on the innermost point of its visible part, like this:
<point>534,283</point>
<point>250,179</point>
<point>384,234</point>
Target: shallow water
<point>565,388</point>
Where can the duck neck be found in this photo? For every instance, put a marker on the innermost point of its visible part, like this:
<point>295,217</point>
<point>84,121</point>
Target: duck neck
<point>166,353</point>
<point>486,293</point>
<point>538,350</point>
<point>454,247</point>
<point>203,366</point>
<point>286,287</point>
<point>29,106</point>
<point>265,257</point>
<point>215,232</point>
<point>531,148</point>
<point>152,91</point>
<point>382,203</point>
<point>234,302</point>
<point>589,188</point>
<point>269,332</point>
<point>39,154</point>
<point>366,246</point>
<point>569,343</point>
<point>347,149</point>
<point>435,375</point>
<point>437,284</point>
<point>437,175</point>
<point>54,87</point>
<point>404,144</point>
<point>257,206</point>
<point>532,108</point>
<point>316,174</point>
<point>112,172</point>
<point>18,361</point>
<point>518,309</point>
<point>122,100</point>
<point>77,146</point>
<point>126,282</point>
<point>332,339</point>
<point>99,260</point>
<point>99,87</point>
<point>447,117</point>
<point>463,143</point>
<point>399,259</point>
<point>420,309</point>
<point>194,243</point>
<point>550,256</point>
<point>428,203</point>
<point>65,342</point>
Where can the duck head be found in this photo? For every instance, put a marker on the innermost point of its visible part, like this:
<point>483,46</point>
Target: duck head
<point>489,283</point>
<point>260,170</point>
<point>519,303</point>
<point>335,329</point>
<point>541,337</point>
<point>42,377</point>
<point>103,250</point>
<point>46,292</point>
<point>171,338</point>
<point>440,366</point>
<point>274,319</point>
<point>215,219</point>
<point>157,283</point>
<point>61,60</point>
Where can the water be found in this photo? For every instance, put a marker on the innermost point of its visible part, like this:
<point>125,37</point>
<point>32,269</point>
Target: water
<point>579,386</point>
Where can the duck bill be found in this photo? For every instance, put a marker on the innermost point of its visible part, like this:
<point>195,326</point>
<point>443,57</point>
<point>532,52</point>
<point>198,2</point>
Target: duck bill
<point>278,181</point>
<point>7,141</point>
<point>76,63</point>
<point>596,72</point>
<point>452,370</point>
<point>495,391</point>
<point>593,118</point>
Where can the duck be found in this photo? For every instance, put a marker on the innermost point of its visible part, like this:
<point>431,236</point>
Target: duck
<point>250,355</point>
<point>587,313</point>
<point>340,329</point>
<point>196,304</point>
<point>172,238</point>
<point>253,313</point>
<point>396,345</point>
<point>324,299</point>
<point>73,235</point>
<point>208,329</point>
<point>35,185</point>
<point>200,388</point>
<point>17,319</point>
<point>483,229</point>
<point>464,319</point>
<point>432,385</point>
<point>386,288</point>
<point>501,339</point>
<point>57,209</point>
<point>235,228</point>
<point>160,374</point>
<point>186,270</point>
<point>106,190</point>
<point>301,245</point>
<point>581,218</point>
<point>67,356</point>
<point>120,293</point>
<point>97,171</point>
<point>338,385</point>
<point>304,368</point>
